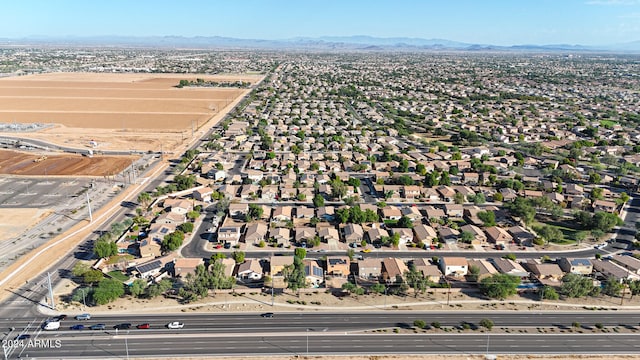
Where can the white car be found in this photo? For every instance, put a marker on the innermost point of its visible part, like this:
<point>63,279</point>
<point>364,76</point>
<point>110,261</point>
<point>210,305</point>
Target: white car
<point>175,325</point>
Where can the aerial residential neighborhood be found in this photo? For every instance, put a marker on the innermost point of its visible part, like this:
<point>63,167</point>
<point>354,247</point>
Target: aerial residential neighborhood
<point>320,180</point>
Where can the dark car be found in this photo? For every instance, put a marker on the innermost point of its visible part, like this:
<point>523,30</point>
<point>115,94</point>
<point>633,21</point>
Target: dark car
<point>227,245</point>
<point>98,327</point>
<point>123,326</point>
<point>267,315</point>
<point>144,326</point>
<point>60,317</point>
<point>23,337</point>
<point>77,327</point>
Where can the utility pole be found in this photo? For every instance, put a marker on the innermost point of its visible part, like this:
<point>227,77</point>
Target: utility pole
<point>89,206</point>
<point>53,304</point>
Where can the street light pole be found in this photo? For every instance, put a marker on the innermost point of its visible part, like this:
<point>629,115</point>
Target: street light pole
<point>307,342</point>
<point>83,301</point>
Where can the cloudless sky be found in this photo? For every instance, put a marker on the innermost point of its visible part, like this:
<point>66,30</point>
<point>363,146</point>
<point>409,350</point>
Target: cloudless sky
<point>498,22</point>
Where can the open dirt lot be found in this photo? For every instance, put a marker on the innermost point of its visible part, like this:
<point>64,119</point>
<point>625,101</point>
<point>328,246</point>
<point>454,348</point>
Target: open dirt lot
<point>15,221</point>
<point>18,163</point>
<point>118,111</point>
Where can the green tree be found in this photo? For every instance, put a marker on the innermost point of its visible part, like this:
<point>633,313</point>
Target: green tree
<point>605,221</point>
<point>338,189</point>
<point>186,227</point>
<point>488,217</point>
<point>550,233</point>
<point>499,286</point>
<point>144,199</point>
<point>107,291</point>
<point>404,222</point>
<point>300,253</point>
<point>458,198</point>
<point>184,182</point>
<point>550,293</point>
<point>467,237</point>
<point>138,287</point>
<point>193,214</point>
<point>612,287</point>
<point>474,272</point>
<point>294,274</point>
<point>105,248</point>
<point>378,288</point>
<point>597,194</point>
<point>574,286</point>
<point>255,212</point>
<point>172,241</point>
<point>444,178</point>
<point>80,268</point>
<point>420,324</point>
<point>92,276</point>
<point>318,200</point>
<point>238,256</point>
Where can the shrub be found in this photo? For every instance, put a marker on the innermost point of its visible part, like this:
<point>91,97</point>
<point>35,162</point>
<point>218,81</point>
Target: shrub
<point>486,323</point>
<point>436,324</point>
<point>420,324</point>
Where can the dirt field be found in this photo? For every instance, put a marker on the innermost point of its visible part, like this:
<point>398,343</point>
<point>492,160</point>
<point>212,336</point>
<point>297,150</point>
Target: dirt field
<point>132,111</point>
<point>18,163</point>
<point>14,222</point>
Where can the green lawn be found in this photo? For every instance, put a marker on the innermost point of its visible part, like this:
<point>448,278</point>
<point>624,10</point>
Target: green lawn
<point>569,233</point>
<point>118,275</point>
<point>607,123</point>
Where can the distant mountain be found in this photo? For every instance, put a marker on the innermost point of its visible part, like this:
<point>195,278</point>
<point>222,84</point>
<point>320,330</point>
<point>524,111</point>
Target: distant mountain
<point>329,43</point>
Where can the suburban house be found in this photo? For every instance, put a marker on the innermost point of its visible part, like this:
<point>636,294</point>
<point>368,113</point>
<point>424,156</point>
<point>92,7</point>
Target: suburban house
<point>454,266</point>
<point>203,194</point>
<point>628,262</point>
<point>338,266</point>
<point>393,270</point>
<point>606,269</point>
<point>157,232</point>
<point>454,210</point>
<point>424,233</point>
<point>520,235</point>
<point>305,233</point>
<point>498,235</point>
<point>576,266</point>
<point>376,233</point>
<point>479,237</point>
<point>509,267</point>
<point>406,234</point>
<point>547,273</point>
<point>282,213</point>
<point>313,273</point>
<point>149,248</point>
<point>370,269</point>
<point>277,264</point>
<point>328,234</point>
<point>448,235</point>
<point>150,269</point>
<point>486,269</point>
<point>255,232</point>
<point>280,235</point>
<point>179,206</point>
<point>430,271</point>
<point>390,212</point>
<point>238,210</point>
<point>184,266</point>
<point>230,234</point>
<point>411,212</point>
<point>353,233</point>
<point>432,212</point>
<point>604,205</point>
<point>250,270</point>
<point>170,217</point>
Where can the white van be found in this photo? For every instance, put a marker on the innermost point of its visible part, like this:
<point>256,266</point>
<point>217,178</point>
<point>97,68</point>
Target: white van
<point>51,325</point>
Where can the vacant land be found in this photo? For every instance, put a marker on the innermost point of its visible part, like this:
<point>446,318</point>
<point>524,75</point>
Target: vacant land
<point>118,111</point>
<point>18,163</point>
<point>14,222</point>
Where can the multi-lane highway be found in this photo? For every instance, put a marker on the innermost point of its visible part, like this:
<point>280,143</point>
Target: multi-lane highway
<point>327,333</point>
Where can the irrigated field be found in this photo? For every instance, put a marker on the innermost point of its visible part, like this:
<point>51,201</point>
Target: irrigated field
<point>118,111</point>
<point>18,163</point>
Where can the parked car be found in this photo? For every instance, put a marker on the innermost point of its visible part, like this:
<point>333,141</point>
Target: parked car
<point>227,245</point>
<point>123,326</point>
<point>366,250</point>
<point>144,326</point>
<point>175,325</point>
<point>77,327</point>
<point>98,327</point>
<point>83,317</point>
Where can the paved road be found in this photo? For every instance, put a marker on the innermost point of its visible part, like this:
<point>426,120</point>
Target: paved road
<point>127,345</point>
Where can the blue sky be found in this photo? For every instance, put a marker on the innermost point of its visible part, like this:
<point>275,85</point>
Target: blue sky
<point>499,22</point>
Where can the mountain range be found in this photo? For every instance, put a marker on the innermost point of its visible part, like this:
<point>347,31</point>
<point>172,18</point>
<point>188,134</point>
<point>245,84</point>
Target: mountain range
<point>344,43</point>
